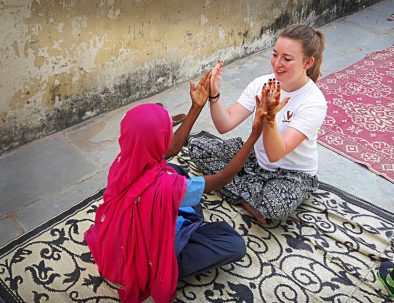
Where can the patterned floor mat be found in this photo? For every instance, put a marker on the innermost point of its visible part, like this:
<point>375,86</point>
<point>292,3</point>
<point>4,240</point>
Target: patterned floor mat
<point>326,251</point>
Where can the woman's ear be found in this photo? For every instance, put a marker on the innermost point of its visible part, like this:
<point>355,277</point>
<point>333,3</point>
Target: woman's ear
<point>308,63</point>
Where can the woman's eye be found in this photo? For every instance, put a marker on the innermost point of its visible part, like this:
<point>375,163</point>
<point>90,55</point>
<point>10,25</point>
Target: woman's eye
<point>274,55</point>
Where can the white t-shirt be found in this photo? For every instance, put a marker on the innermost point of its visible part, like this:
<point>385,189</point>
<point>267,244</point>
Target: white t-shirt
<point>305,112</point>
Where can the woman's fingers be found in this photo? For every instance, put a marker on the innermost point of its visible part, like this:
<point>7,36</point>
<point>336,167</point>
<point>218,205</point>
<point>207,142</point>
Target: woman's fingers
<point>273,105</point>
<point>283,103</point>
<point>277,96</point>
<point>217,70</point>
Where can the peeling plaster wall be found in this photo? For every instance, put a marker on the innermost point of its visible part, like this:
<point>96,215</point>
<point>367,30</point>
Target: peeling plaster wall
<point>64,61</point>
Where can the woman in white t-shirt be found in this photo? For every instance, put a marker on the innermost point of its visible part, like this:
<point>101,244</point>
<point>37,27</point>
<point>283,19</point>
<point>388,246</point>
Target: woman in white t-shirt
<point>281,173</point>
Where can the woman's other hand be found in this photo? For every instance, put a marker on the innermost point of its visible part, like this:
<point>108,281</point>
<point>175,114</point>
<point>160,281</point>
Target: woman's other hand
<point>200,93</point>
<point>273,100</point>
<point>216,79</point>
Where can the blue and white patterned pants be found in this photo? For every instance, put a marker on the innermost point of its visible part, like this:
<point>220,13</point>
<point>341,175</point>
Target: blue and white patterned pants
<point>274,194</point>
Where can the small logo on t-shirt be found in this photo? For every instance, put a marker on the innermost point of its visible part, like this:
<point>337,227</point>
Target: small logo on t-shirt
<point>287,117</point>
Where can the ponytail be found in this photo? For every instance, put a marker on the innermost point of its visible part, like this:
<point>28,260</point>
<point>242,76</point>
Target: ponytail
<point>314,71</point>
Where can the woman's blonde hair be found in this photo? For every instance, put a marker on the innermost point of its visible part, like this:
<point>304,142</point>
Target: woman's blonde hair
<point>312,43</point>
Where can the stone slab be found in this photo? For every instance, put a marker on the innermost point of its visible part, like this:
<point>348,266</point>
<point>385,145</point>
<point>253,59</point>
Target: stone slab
<point>374,18</point>
<point>44,209</point>
<point>355,179</point>
<point>346,37</point>
<point>9,229</point>
<point>39,169</point>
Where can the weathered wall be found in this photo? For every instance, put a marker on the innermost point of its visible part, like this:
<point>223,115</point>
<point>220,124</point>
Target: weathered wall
<point>64,61</point>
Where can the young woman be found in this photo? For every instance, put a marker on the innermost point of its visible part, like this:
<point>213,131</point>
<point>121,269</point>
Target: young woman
<point>141,240</point>
<point>281,173</point>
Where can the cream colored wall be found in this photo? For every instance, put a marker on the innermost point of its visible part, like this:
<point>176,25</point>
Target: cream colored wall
<point>63,61</point>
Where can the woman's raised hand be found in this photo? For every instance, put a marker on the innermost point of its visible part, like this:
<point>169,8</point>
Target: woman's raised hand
<point>273,103</point>
<point>216,79</point>
<point>200,93</point>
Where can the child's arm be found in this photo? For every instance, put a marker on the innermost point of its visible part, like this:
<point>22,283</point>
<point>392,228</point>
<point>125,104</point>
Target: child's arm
<point>220,179</point>
<point>199,96</point>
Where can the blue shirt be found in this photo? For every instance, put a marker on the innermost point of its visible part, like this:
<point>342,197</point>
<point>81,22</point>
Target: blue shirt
<point>194,190</point>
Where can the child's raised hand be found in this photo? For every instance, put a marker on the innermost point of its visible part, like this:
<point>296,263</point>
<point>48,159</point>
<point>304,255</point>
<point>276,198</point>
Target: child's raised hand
<point>200,93</point>
<point>261,111</point>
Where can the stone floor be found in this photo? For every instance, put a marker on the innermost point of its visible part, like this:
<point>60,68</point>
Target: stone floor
<point>47,176</point>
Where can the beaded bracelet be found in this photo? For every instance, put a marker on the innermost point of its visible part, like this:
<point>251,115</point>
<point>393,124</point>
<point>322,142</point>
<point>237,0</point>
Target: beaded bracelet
<point>214,99</point>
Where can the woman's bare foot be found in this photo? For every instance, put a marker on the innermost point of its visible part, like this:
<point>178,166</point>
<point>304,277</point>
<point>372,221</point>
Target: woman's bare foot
<point>255,214</point>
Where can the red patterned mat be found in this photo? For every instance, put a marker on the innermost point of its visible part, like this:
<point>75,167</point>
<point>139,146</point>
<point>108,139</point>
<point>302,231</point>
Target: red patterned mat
<point>360,118</point>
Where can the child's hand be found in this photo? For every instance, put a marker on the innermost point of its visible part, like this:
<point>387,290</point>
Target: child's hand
<point>200,93</point>
<point>261,111</point>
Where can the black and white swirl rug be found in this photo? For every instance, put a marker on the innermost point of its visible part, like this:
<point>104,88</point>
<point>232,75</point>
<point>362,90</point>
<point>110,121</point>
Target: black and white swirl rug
<point>328,250</point>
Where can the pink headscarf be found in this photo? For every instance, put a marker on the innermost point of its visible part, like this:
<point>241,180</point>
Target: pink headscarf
<point>132,239</point>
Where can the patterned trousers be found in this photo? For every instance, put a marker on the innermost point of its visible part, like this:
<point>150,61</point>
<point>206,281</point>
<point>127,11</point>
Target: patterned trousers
<point>274,194</point>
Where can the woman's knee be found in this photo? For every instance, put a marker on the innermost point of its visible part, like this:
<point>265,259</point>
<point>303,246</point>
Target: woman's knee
<point>276,202</point>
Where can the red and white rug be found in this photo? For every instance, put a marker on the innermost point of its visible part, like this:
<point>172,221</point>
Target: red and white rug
<point>360,118</point>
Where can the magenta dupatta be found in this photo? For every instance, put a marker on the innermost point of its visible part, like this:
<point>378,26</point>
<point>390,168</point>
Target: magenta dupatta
<point>132,239</point>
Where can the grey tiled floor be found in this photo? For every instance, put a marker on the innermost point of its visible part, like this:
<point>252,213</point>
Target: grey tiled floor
<point>45,177</point>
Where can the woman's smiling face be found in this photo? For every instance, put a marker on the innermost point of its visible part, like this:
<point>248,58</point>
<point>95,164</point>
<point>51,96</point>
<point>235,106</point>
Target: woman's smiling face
<point>289,64</point>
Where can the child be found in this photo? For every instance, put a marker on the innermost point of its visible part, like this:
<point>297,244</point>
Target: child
<point>133,240</point>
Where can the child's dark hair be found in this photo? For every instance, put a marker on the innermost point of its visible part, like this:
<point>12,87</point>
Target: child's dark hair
<point>312,42</point>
